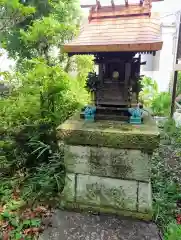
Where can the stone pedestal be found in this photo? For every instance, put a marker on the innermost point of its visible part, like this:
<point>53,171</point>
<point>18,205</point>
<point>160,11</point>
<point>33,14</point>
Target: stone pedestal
<point>108,166</point>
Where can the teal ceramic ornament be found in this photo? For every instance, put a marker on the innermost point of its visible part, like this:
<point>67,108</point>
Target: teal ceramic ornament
<point>136,115</point>
<point>89,113</point>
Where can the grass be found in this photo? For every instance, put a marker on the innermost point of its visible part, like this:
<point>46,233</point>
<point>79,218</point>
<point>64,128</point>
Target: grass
<point>166,183</point>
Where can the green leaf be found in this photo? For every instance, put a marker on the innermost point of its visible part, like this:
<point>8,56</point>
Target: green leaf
<point>18,236</point>
<point>14,205</point>
<point>35,223</point>
<point>6,214</point>
<point>14,222</point>
<point>26,223</point>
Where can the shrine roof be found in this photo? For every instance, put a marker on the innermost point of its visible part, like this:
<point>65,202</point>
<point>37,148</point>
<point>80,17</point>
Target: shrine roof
<point>118,29</point>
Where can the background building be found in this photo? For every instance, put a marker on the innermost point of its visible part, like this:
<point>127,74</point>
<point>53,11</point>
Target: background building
<point>160,67</point>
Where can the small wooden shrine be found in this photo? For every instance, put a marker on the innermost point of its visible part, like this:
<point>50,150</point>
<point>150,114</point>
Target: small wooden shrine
<point>117,36</point>
<point>108,163</point>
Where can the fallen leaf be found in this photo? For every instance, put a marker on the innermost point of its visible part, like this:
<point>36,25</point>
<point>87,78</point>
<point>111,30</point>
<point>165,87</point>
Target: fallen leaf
<point>26,214</point>
<point>32,231</point>
<point>3,224</point>
<point>1,209</point>
<point>27,231</point>
<point>36,230</point>
<point>40,209</point>
<point>5,236</point>
<point>10,228</point>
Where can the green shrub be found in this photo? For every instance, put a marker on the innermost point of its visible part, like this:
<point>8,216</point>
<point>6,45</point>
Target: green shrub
<point>44,98</point>
<point>173,132</point>
<point>45,181</point>
<point>151,98</point>
<point>170,128</point>
<point>149,89</point>
<point>173,232</point>
<point>179,84</point>
<point>160,104</point>
<point>92,81</point>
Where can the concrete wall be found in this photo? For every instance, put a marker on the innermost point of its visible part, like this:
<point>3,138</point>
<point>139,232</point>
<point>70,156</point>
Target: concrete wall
<point>160,67</point>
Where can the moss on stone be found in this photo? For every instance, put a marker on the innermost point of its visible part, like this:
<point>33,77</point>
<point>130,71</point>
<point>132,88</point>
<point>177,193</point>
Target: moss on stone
<point>109,134</point>
<point>80,207</point>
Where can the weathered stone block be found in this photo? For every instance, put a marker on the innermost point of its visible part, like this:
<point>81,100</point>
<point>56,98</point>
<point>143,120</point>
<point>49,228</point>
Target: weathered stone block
<point>110,134</point>
<point>68,193</point>
<point>145,198</point>
<point>118,194</point>
<point>108,162</point>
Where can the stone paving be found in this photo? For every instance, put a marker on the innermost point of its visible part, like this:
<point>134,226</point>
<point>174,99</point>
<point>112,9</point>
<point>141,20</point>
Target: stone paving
<point>84,226</point>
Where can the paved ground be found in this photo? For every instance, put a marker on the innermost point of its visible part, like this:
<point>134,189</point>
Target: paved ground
<point>78,226</point>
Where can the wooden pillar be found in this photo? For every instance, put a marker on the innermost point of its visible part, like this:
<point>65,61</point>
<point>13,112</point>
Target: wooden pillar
<point>126,3</point>
<point>101,73</point>
<point>174,93</point>
<point>178,54</point>
<point>93,98</point>
<point>112,3</point>
<point>138,77</point>
<point>127,79</point>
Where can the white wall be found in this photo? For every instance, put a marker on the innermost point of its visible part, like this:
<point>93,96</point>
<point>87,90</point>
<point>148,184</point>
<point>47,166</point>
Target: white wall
<point>160,67</point>
<point>5,63</point>
<point>169,19</point>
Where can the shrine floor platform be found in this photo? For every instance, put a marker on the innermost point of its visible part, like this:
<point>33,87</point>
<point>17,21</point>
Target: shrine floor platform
<point>86,226</point>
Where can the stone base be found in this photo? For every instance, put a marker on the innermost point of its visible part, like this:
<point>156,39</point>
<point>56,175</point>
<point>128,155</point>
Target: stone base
<point>100,194</point>
<point>127,164</point>
<point>108,166</point>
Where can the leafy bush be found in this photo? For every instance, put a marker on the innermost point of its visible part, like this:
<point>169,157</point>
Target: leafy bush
<point>92,81</point>
<point>30,159</point>
<point>149,89</point>
<point>42,95</point>
<point>43,98</point>
<point>160,104</point>
<point>173,232</point>
<point>174,133</point>
<point>179,84</point>
<point>45,181</point>
<point>46,97</point>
